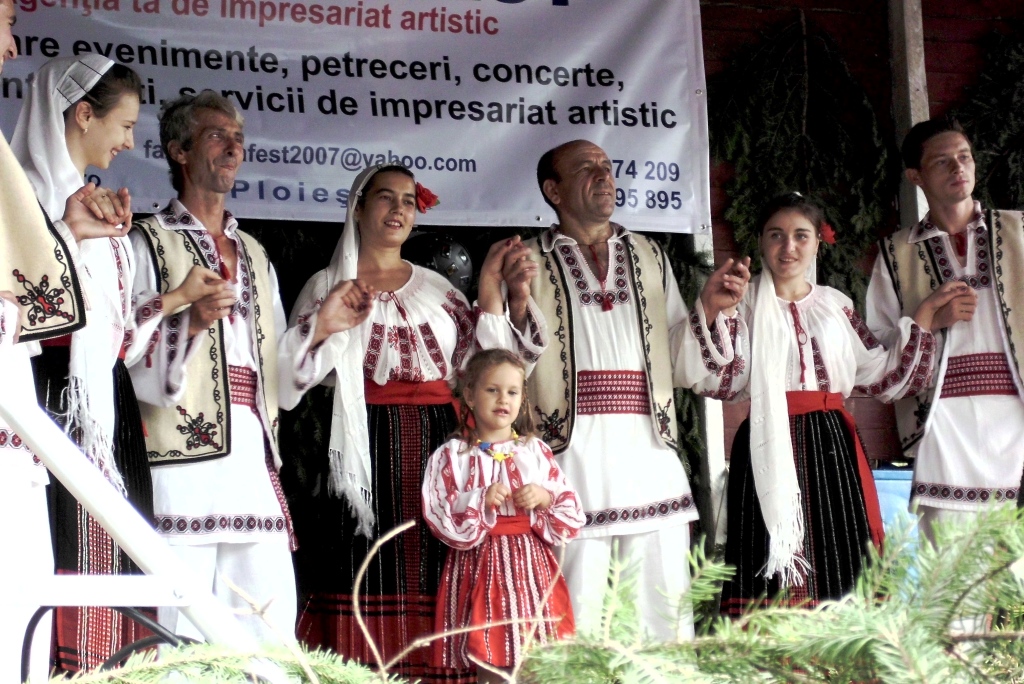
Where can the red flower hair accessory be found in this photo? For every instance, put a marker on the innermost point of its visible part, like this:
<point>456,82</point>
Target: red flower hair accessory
<point>828,235</point>
<point>425,199</point>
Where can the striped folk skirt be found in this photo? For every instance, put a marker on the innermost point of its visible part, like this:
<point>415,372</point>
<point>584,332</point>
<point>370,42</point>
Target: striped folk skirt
<point>838,500</point>
<point>504,578</point>
<point>86,637</point>
<point>400,587</point>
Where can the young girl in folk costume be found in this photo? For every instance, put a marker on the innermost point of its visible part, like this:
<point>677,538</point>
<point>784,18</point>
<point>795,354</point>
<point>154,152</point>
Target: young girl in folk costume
<point>496,495</point>
<point>802,505</point>
<point>80,112</point>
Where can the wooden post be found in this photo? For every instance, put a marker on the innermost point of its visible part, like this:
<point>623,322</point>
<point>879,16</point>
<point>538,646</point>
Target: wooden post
<point>910,90</point>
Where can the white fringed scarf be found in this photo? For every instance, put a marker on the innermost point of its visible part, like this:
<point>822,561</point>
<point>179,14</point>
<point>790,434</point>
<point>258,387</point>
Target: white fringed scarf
<point>39,144</point>
<point>771,447</point>
<point>350,438</point>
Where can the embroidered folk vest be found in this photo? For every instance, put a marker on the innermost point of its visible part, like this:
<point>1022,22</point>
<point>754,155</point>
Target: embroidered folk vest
<point>916,273</point>
<point>35,263</point>
<point>198,428</point>
<point>554,390</point>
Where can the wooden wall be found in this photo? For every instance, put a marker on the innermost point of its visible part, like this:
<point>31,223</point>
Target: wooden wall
<point>955,36</point>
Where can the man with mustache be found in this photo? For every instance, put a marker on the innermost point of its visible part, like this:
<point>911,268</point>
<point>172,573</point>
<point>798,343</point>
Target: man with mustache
<point>619,339</point>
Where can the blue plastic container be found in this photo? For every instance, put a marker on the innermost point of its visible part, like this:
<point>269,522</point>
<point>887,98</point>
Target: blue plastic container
<point>894,495</point>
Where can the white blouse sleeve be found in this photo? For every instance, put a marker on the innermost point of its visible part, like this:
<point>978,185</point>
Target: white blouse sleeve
<point>711,359</point>
<point>564,518</point>
<point>147,309</point>
<point>299,366</point>
<point>158,373</point>
<point>453,506</point>
<point>882,307</point>
<point>498,332</point>
<point>902,369</point>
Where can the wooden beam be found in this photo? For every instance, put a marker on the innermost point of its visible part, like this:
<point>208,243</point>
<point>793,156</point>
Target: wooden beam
<point>910,90</point>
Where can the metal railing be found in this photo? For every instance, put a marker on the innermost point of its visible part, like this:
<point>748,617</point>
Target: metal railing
<point>168,581</point>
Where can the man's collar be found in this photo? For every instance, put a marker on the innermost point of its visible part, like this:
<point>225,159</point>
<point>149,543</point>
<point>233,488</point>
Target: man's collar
<point>554,236</point>
<point>176,217</point>
<point>925,229</point>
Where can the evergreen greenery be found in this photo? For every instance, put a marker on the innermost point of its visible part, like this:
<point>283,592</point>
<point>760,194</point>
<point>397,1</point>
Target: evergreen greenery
<point>897,626</point>
<point>788,116</point>
<point>993,118</point>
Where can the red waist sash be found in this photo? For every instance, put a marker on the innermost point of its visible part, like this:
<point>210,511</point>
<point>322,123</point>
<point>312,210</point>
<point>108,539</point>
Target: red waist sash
<point>65,341</point>
<point>508,525</point>
<point>801,403</point>
<point>399,392</point>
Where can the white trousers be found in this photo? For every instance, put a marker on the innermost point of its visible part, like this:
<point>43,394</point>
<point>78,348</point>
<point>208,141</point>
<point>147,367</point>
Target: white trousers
<point>929,516</point>
<point>29,553</point>
<point>263,570</point>
<point>657,561</point>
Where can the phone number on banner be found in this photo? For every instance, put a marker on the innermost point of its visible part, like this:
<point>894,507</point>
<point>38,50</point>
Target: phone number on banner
<point>649,171</point>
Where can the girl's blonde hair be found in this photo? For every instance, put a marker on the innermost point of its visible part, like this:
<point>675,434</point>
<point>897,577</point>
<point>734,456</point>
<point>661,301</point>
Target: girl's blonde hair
<point>480,363</point>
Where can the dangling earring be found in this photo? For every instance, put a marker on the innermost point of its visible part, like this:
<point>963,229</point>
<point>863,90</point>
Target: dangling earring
<point>84,131</point>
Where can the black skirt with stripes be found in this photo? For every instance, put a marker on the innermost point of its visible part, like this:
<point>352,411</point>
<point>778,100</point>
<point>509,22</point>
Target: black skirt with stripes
<point>85,637</point>
<point>836,534</point>
<point>399,590</point>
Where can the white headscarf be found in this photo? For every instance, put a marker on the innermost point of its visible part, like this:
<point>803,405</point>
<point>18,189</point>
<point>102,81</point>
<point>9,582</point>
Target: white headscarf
<point>39,144</point>
<point>38,140</point>
<point>350,439</point>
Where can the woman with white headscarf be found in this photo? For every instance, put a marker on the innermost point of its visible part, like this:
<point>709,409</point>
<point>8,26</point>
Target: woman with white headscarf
<point>80,112</point>
<point>802,505</point>
<point>392,407</point>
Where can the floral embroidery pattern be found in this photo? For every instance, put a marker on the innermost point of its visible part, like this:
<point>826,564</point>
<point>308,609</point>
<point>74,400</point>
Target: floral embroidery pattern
<point>403,340</point>
<point>551,426</point>
<point>933,490</point>
<point>612,392</point>
<point>373,350</point>
<point>199,432</point>
<point>977,374</point>
<point>918,338</point>
<point>43,302</point>
<point>659,509</point>
<point>464,323</point>
<point>10,439</point>
<point>820,371</point>
<point>981,278</point>
<point>620,295</point>
<point>434,349</point>
<point>705,351</point>
<point>183,524</point>
<point>860,327</point>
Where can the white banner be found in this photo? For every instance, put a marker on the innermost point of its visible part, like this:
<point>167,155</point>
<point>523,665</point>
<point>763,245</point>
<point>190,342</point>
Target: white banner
<point>469,93</point>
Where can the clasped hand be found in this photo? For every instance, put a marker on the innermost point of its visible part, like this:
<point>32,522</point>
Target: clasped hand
<point>527,497</point>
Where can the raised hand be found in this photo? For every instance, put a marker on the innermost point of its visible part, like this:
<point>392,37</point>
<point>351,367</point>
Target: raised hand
<point>531,496</point>
<point>518,271</point>
<point>496,495</point>
<point>211,308</point>
<point>489,288</point>
<point>94,212</point>
<point>954,301</point>
<point>726,287</point>
<point>347,305</point>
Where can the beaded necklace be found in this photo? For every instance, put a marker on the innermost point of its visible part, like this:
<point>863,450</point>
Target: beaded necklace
<point>499,456</point>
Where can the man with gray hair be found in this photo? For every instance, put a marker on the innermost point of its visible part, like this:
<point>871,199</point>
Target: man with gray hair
<point>215,375</point>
